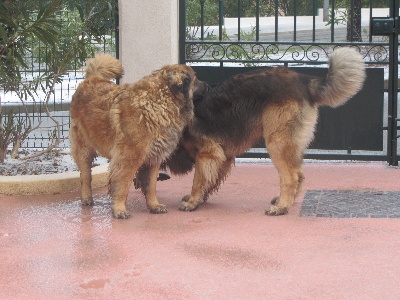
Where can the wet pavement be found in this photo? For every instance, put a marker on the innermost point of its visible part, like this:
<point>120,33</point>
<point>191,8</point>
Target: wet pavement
<point>53,248</point>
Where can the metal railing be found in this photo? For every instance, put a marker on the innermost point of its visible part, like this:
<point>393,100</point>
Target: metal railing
<point>278,38</point>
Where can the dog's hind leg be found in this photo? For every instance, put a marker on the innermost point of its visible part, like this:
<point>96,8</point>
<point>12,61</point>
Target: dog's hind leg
<point>122,170</point>
<point>287,160</point>
<point>287,133</point>
<point>83,156</point>
<point>298,190</point>
<point>288,129</point>
<point>300,181</point>
<point>209,162</point>
<point>147,177</point>
<point>85,167</point>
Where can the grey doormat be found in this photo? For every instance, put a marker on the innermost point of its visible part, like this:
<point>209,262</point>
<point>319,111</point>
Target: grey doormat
<point>350,204</point>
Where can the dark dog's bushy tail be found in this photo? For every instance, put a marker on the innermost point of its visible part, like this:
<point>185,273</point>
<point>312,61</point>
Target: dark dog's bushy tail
<point>345,78</point>
<point>105,66</point>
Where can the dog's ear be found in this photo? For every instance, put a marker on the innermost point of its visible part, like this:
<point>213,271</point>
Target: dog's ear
<point>178,81</point>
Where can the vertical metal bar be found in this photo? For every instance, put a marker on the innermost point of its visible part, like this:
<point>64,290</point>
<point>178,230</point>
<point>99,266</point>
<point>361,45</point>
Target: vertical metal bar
<point>257,20</point>
<point>332,21</point>
<point>221,21</point>
<point>202,18</point>
<point>395,159</point>
<point>276,20</point>
<point>295,21</point>
<point>182,31</point>
<point>370,18</point>
<point>239,16</point>
<point>351,19</point>
<point>392,88</point>
<point>314,14</point>
<point>220,18</point>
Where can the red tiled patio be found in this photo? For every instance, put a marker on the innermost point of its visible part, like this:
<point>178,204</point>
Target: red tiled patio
<point>52,248</point>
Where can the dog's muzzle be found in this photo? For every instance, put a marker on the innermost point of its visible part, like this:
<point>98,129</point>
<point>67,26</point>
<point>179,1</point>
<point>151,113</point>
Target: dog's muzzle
<point>202,88</point>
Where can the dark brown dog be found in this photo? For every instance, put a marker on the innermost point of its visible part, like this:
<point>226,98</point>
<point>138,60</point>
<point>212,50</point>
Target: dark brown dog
<point>131,124</point>
<point>277,104</point>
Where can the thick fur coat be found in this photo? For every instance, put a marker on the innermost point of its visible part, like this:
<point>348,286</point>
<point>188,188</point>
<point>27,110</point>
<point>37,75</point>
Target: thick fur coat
<point>131,124</point>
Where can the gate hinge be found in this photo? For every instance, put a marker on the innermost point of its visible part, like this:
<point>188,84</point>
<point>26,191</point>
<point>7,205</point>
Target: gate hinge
<point>384,26</point>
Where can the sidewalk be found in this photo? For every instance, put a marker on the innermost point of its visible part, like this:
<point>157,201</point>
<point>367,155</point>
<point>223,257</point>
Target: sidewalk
<point>53,248</point>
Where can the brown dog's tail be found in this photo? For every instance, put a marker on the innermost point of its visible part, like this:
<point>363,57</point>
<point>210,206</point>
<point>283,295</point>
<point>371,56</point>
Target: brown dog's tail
<point>105,66</point>
<point>345,78</point>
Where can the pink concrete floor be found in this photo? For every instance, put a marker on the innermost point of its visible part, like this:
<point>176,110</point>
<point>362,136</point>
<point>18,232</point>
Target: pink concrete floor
<point>52,248</point>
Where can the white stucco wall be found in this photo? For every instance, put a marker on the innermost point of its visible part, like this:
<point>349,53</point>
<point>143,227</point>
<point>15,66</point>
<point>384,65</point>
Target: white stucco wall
<point>148,36</point>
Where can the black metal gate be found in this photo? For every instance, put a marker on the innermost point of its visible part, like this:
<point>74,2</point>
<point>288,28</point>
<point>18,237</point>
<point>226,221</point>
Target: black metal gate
<point>220,38</point>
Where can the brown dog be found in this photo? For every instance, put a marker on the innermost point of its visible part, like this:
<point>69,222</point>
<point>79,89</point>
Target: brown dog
<point>131,124</point>
<point>277,104</point>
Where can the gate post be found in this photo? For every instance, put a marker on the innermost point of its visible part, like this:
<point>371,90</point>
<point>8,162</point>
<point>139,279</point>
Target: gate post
<point>148,36</point>
<point>393,87</point>
<point>182,31</point>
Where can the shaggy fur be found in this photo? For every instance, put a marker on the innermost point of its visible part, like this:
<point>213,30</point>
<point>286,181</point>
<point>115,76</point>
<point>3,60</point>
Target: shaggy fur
<point>276,104</point>
<point>131,124</point>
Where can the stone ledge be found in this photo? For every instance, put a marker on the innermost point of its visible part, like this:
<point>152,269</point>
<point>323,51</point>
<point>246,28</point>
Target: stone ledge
<point>50,183</point>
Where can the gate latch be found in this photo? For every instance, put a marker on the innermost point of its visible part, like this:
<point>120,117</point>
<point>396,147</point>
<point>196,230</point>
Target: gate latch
<point>384,26</point>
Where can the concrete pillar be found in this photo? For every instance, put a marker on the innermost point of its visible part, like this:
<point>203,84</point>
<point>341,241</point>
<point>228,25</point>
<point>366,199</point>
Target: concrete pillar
<point>148,36</point>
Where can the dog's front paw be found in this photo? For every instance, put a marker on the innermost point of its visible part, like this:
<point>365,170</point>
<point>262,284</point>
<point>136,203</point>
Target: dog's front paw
<point>275,210</point>
<point>87,202</point>
<point>159,209</point>
<point>119,214</point>
<point>187,206</point>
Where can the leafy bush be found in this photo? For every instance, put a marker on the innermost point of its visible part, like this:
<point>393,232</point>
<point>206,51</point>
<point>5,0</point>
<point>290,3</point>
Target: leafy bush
<point>44,29</point>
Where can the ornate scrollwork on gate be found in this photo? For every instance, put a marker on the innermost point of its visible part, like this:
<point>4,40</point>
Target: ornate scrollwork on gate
<point>255,52</point>
<point>377,53</point>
